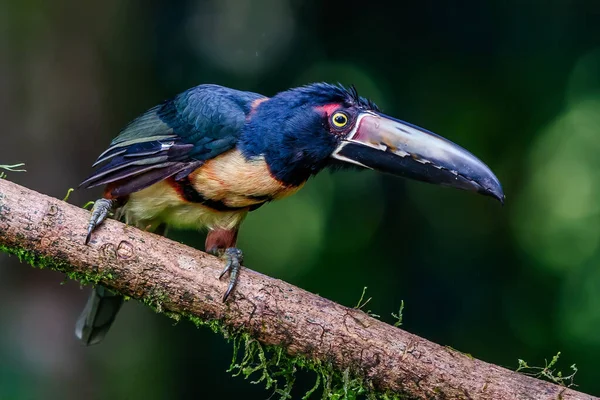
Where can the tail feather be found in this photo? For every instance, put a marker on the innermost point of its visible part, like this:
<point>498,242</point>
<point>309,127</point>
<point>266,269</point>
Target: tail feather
<point>98,315</point>
<point>101,310</point>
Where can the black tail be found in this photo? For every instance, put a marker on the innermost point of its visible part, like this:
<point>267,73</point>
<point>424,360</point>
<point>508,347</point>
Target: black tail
<point>101,310</point>
<point>98,315</point>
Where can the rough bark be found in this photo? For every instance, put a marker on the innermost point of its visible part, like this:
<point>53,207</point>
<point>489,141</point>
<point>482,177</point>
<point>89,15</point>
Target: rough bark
<point>184,280</point>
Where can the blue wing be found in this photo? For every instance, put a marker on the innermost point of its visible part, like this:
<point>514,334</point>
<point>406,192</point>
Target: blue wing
<point>173,139</point>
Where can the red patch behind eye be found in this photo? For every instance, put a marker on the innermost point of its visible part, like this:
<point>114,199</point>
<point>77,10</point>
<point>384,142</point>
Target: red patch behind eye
<point>254,105</point>
<point>328,109</point>
<point>257,102</point>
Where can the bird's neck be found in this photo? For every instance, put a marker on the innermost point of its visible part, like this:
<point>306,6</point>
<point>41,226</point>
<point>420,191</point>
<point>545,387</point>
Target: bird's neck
<point>288,167</point>
<point>291,145</point>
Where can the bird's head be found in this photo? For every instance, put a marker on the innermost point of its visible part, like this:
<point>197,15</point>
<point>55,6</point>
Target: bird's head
<point>303,130</point>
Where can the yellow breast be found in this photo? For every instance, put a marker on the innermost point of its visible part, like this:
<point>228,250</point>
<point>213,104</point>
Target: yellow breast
<point>238,182</point>
<point>228,178</point>
<point>161,203</point>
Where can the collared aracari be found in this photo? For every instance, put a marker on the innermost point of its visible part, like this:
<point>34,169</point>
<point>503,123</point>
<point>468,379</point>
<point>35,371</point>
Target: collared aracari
<point>211,154</point>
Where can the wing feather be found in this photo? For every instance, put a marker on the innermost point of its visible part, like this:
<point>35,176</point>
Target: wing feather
<point>173,138</point>
<point>146,179</point>
<point>129,172</point>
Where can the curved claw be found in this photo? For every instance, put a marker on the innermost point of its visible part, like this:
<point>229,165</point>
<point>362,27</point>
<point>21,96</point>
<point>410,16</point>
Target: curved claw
<point>100,211</point>
<point>89,234</point>
<point>234,258</point>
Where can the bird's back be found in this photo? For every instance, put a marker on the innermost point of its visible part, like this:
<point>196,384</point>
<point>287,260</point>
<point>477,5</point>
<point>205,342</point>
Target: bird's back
<point>173,138</point>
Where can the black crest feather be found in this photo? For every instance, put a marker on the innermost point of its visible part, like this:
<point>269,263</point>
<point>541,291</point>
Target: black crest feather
<point>327,93</point>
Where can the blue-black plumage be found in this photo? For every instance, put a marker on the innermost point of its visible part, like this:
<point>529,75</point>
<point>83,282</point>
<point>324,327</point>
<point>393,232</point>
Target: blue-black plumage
<point>211,154</point>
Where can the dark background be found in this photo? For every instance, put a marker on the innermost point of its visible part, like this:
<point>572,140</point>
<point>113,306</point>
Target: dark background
<point>515,82</point>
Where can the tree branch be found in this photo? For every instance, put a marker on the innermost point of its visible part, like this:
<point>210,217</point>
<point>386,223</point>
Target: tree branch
<point>50,233</point>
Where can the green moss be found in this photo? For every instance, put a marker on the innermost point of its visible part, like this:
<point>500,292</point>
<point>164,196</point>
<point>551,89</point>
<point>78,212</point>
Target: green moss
<point>13,168</point>
<point>269,365</point>
<point>549,372</point>
<point>66,198</point>
<point>35,260</point>
<point>273,367</point>
<point>361,303</point>
<point>156,299</point>
<point>399,316</point>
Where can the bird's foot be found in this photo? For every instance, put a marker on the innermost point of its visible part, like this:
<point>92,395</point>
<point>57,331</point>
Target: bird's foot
<point>100,211</point>
<point>233,262</point>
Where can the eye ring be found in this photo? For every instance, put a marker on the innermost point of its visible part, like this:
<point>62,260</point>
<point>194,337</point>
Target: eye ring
<point>339,119</point>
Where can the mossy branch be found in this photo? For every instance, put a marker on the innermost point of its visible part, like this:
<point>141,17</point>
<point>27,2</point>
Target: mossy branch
<point>352,351</point>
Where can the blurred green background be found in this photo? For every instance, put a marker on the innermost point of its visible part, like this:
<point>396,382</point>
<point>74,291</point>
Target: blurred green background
<point>515,82</point>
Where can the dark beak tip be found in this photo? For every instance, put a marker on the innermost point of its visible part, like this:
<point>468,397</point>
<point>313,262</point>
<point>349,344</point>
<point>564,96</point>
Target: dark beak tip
<point>501,199</point>
<point>489,185</point>
<point>496,193</point>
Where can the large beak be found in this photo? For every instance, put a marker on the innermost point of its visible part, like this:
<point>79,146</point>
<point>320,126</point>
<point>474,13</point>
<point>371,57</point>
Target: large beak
<point>389,145</point>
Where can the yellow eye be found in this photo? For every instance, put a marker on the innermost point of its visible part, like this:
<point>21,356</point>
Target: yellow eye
<point>339,119</point>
